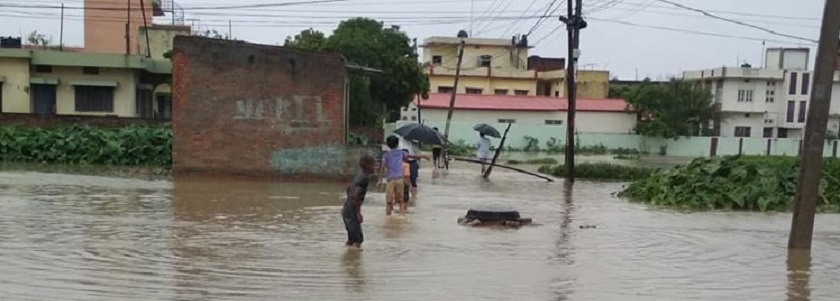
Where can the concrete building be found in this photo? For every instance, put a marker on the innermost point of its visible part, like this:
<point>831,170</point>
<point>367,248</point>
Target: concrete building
<point>503,67</point>
<point>769,102</point>
<point>54,82</point>
<point>593,115</point>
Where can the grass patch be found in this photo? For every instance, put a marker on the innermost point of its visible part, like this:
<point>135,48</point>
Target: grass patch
<point>746,183</point>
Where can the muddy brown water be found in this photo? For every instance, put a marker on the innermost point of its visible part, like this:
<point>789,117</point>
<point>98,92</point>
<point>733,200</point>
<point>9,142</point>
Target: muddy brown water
<point>70,237</point>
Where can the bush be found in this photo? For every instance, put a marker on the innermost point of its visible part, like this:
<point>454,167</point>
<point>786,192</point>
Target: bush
<point>734,183</point>
<point>540,161</point>
<point>600,171</point>
<point>128,146</point>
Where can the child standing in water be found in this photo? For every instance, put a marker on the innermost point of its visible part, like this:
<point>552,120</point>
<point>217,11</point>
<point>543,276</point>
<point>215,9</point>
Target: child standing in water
<point>351,213</point>
<point>406,179</point>
<point>392,171</point>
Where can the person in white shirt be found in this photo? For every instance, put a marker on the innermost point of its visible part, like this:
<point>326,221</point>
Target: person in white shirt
<point>483,151</point>
<point>414,165</point>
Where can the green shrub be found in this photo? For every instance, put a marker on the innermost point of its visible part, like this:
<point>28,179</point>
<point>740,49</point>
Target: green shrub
<point>128,146</point>
<point>600,171</point>
<point>540,161</point>
<point>733,183</point>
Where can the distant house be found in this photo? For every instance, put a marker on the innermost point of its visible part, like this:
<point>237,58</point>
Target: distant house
<point>593,116</point>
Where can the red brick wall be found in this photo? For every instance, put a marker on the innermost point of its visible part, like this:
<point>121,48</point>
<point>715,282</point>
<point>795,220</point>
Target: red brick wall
<point>35,120</point>
<point>371,133</point>
<point>246,109</point>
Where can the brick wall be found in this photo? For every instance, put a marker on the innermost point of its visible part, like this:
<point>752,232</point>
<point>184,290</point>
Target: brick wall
<point>35,120</point>
<point>256,110</point>
<point>371,133</point>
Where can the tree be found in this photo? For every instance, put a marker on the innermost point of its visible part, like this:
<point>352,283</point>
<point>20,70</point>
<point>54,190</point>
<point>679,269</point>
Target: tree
<point>41,40</point>
<point>367,43</point>
<point>308,39</point>
<point>672,109</point>
<point>212,33</point>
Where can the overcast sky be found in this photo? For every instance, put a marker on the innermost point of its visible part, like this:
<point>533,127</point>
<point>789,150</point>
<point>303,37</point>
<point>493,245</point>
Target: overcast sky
<point>628,37</point>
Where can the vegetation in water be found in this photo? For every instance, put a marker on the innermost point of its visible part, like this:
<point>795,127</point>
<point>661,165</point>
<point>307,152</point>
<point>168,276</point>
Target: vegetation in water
<point>539,161</point>
<point>128,146</point>
<point>600,171</point>
<point>734,183</point>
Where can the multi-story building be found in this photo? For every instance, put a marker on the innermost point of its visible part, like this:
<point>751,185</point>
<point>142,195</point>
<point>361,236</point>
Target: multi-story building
<point>121,71</point>
<point>503,67</point>
<point>771,101</point>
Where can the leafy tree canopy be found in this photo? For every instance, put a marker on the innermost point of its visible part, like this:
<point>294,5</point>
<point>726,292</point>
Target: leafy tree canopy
<point>672,109</point>
<point>366,42</point>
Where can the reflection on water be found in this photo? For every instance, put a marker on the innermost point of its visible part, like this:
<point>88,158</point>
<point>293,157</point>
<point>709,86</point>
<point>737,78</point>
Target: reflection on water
<point>799,275</point>
<point>94,238</point>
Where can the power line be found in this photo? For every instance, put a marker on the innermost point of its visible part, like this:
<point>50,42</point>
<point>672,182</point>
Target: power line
<point>773,32</point>
<point>689,31</point>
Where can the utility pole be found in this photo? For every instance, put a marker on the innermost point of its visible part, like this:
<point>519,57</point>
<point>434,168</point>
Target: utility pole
<point>230,29</point>
<point>127,27</point>
<point>574,23</point>
<point>810,170</point>
<point>61,30</point>
<point>461,35</point>
<point>145,29</point>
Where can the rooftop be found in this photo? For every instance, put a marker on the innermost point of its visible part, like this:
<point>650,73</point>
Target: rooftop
<point>519,103</point>
<point>437,41</point>
<point>84,59</point>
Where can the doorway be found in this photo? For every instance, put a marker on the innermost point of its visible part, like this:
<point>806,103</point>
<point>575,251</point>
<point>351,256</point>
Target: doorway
<point>43,99</point>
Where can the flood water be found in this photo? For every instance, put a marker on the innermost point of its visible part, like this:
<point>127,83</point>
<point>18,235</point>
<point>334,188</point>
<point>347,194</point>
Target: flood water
<point>68,237</point>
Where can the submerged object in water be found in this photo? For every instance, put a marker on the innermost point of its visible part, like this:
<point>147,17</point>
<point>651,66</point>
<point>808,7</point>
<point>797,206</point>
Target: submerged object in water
<point>493,216</point>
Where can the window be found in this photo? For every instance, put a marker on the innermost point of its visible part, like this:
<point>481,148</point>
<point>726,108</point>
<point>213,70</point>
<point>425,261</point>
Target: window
<point>437,60</point>
<point>444,89</point>
<point>782,133</point>
<point>554,122</point>
<point>413,118</point>
<point>806,83</point>
<point>745,95</point>
<point>474,91</point>
<point>43,69</point>
<point>94,99</point>
<point>768,132</point>
<point>484,61</point>
<point>501,91</point>
<point>90,70</point>
<point>507,120</point>
<point>790,108</point>
<point>520,92</point>
<point>405,118</point>
<point>803,108</point>
<point>742,131</point>
<point>719,91</point>
<point>770,96</point>
<point>771,83</point>
<point>556,93</point>
<point>792,87</point>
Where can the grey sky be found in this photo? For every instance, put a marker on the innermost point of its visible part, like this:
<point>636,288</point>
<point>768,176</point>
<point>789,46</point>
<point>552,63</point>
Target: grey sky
<point>622,48</point>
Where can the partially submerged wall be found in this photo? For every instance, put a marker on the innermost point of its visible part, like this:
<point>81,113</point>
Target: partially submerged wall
<point>256,110</point>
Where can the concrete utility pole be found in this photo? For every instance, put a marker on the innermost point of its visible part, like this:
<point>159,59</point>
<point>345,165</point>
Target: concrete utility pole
<point>461,35</point>
<point>807,190</point>
<point>574,23</point>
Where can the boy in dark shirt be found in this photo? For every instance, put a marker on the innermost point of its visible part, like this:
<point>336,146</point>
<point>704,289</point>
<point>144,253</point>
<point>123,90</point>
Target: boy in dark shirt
<point>352,210</point>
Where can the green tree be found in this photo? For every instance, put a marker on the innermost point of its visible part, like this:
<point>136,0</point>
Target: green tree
<point>672,109</point>
<point>212,33</point>
<point>308,39</point>
<point>368,43</point>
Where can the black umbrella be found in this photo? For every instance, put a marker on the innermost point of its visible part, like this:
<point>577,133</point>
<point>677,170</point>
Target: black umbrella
<point>487,130</point>
<point>421,133</point>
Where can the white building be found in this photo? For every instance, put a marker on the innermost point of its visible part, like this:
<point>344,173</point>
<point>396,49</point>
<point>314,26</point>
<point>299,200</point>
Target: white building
<point>768,102</point>
<point>593,116</point>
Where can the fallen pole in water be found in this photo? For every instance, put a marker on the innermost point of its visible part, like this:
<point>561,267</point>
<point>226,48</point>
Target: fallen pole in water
<point>507,167</point>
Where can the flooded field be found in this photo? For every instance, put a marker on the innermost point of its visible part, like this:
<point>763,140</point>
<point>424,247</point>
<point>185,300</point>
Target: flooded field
<point>69,237</point>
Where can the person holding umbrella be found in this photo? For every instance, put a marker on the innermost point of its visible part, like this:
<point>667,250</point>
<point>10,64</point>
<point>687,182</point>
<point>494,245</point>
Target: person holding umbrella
<point>483,146</point>
<point>420,133</point>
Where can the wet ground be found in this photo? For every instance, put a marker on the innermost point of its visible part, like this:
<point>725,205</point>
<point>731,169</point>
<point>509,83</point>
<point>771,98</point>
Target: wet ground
<point>66,237</point>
